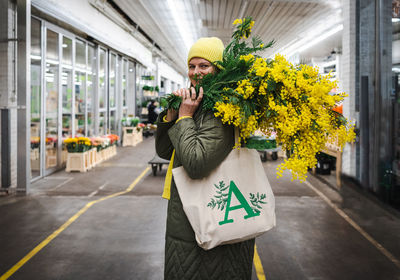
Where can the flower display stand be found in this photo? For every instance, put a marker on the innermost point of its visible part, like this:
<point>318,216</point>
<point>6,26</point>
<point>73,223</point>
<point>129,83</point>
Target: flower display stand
<point>131,136</point>
<point>77,162</point>
<point>108,152</point>
<point>113,150</point>
<point>51,157</point>
<point>331,148</point>
<point>138,137</point>
<point>64,156</point>
<point>128,136</point>
<point>35,160</point>
<point>91,159</point>
<point>103,154</point>
<point>99,157</point>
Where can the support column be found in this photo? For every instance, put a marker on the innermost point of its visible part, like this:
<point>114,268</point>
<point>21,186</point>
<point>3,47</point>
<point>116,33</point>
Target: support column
<point>348,79</point>
<point>8,95</point>
<point>23,94</point>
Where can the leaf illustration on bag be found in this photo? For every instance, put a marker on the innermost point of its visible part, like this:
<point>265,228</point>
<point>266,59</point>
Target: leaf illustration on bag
<point>256,200</point>
<point>223,201</point>
<point>221,196</point>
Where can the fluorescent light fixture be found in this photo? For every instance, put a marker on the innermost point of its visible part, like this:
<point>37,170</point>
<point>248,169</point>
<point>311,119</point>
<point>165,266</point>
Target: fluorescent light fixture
<point>181,22</point>
<point>36,57</point>
<point>309,41</point>
<point>51,61</point>
<point>79,69</point>
<point>321,37</point>
<point>395,19</point>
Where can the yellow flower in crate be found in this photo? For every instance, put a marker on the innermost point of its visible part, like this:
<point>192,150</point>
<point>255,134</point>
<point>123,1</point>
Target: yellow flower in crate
<point>84,139</point>
<point>70,140</point>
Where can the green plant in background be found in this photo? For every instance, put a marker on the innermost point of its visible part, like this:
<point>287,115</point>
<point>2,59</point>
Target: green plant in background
<point>135,121</point>
<point>157,89</point>
<point>144,104</point>
<point>149,88</point>
<point>147,77</point>
<point>130,122</point>
<point>78,144</point>
<point>260,143</point>
<point>124,122</point>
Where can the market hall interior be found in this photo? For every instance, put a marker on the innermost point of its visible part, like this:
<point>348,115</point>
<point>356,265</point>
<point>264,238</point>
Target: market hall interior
<point>81,184</point>
<point>122,234</point>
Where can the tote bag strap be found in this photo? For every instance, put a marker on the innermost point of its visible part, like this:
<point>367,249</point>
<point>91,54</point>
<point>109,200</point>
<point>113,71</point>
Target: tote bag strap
<point>168,178</point>
<point>236,136</point>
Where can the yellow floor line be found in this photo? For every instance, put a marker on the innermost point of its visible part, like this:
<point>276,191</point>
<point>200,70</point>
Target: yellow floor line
<point>355,226</point>
<point>39,247</point>
<point>258,265</point>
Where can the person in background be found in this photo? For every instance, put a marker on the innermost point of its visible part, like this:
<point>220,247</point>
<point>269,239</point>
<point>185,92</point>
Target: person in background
<point>152,111</point>
<point>198,141</point>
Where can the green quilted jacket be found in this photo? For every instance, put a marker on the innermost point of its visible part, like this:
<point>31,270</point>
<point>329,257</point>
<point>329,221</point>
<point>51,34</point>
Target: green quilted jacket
<point>200,144</point>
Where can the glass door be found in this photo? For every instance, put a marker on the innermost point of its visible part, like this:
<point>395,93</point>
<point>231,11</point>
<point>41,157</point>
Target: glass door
<point>67,92</point>
<point>91,85</point>
<point>36,96</point>
<point>103,92</point>
<point>51,101</point>
<point>112,105</point>
<point>80,88</point>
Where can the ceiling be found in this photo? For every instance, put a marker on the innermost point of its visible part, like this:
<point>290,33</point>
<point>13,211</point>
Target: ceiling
<point>285,21</point>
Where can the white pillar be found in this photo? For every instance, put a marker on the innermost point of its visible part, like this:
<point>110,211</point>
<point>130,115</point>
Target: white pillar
<point>348,79</point>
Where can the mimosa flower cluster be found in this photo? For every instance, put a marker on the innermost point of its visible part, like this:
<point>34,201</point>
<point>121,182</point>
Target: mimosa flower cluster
<point>273,95</point>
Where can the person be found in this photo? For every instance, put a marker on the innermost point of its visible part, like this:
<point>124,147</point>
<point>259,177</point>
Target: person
<point>201,142</point>
<point>152,111</point>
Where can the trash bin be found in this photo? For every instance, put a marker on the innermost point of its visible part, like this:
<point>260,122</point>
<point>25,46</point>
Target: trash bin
<point>324,163</point>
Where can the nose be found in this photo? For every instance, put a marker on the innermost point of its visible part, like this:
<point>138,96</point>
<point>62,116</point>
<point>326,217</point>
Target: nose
<point>196,70</point>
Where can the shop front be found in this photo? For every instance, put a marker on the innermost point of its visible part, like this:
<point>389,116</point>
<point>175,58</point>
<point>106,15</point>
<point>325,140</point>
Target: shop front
<point>78,89</point>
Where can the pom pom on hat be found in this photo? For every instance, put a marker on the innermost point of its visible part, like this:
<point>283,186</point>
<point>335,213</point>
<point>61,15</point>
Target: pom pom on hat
<point>209,48</point>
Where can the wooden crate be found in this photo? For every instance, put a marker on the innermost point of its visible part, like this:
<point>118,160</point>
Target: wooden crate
<point>131,138</point>
<point>92,157</point>
<point>77,162</point>
<point>334,150</point>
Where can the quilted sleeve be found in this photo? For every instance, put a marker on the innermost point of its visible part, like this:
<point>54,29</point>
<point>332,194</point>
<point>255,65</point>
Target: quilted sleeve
<point>164,146</point>
<point>201,149</point>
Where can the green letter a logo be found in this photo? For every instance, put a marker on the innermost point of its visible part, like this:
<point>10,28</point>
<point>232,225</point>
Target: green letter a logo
<point>243,204</point>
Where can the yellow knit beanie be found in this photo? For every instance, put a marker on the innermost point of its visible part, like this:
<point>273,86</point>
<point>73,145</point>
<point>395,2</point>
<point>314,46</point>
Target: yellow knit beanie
<point>210,48</point>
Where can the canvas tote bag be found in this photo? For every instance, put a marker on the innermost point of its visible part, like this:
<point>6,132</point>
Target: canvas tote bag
<point>232,204</point>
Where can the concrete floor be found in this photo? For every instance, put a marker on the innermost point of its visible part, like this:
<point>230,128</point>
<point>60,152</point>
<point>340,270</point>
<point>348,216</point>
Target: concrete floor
<point>123,237</point>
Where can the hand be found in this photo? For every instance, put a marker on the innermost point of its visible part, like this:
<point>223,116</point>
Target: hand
<point>189,103</point>
<point>171,115</point>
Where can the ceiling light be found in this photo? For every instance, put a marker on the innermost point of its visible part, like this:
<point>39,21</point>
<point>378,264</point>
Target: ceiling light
<point>395,19</point>
<point>36,57</point>
<point>321,37</point>
<point>179,14</point>
<point>309,41</point>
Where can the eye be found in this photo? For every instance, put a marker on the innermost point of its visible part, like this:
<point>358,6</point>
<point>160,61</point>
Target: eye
<point>205,66</point>
<point>191,66</point>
